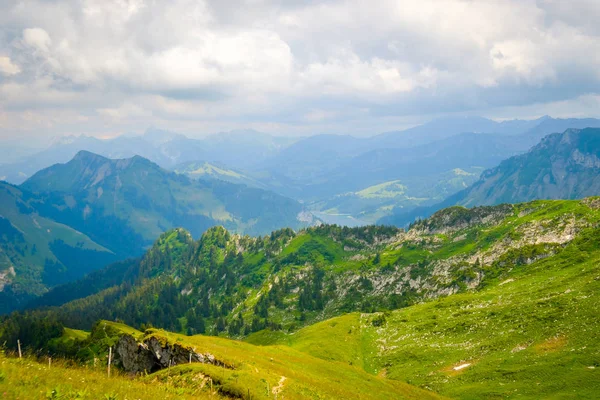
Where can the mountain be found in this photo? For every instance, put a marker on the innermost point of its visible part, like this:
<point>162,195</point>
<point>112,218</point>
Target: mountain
<point>495,295</point>
<point>206,170</point>
<point>37,253</point>
<point>140,200</point>
<point>443,128</point>
<point>556,125</point>
<point>331,172</point>
<point>74,218</point>
<point>242,149</point>
<point>325,172</point>
<point>288,280</point>
<point>167,149</point>
<point>562,166</point>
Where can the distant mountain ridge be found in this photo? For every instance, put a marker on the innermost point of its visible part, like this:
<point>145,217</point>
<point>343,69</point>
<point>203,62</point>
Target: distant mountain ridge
<point>325,171</point>
<point>168,149</point>
<point>562,166</point>
<point>150,199</point>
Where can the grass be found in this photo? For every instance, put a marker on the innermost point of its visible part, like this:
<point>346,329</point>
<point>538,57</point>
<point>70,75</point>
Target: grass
<point>244,371</point>
<point>28,379</point>
<point>258,369</point>
<point>384,190</point>
<point>533,333</point>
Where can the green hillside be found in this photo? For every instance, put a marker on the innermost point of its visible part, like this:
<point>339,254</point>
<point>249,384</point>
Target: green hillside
<point>229,369</point>
<point>206,170</point>
<point>226,284</point>
<point>141,200</point>
<point>530,333</point>
<point>64,381</point>
<point>37,253</point>
<point>489,302</point>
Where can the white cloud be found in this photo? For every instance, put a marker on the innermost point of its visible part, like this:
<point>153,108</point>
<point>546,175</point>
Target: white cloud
<point>282,64</point>
<point>7,67</point>
<point>37,38</point>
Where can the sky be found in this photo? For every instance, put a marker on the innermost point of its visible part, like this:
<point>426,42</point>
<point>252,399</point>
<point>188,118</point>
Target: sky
<point>106,67</point>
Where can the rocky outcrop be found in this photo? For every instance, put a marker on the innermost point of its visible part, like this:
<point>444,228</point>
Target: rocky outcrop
<point>155,353</point>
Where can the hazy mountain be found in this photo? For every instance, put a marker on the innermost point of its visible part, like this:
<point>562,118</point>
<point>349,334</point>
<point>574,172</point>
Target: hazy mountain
<point>206,170</point>
<point>562,166</point>
<point>143,200</point>
<point>243,148</point>
<point>556,125</point>
<point>168,149</point>
<point>327,172</point>
<point>443,128</point>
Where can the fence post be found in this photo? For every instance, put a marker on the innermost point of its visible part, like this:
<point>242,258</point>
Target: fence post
<point>109,359</point>
<point>19,346</point>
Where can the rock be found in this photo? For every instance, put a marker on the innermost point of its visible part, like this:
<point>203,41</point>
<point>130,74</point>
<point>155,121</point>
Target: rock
<point>133,356</point>
<point>153,355</point>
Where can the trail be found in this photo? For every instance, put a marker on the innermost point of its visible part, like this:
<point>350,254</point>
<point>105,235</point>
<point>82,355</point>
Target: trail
<point>277,389</point>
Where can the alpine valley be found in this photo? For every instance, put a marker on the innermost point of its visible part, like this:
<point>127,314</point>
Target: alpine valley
<point>203,274</point>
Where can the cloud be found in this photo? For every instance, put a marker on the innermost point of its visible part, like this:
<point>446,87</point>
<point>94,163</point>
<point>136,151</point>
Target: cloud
<point>290,65</point>
<point>7,67</point>
<point>37,38</point>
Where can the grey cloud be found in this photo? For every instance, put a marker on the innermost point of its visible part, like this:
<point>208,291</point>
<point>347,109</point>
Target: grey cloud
<point>291,65</point>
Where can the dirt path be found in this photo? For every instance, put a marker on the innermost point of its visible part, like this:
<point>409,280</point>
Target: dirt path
<point>277,389</point>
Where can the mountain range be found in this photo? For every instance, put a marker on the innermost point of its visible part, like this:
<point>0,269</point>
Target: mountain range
<point>328,173</point>
<point>100,210</point>
<point>70,219</point>
<point>243,288</point>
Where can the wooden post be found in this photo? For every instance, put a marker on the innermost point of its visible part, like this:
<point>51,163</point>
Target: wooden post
<point>190,357</point>
<point>109,359</point>
<point>49,362</point>
<point>19,346</point>
<point>211,392</point>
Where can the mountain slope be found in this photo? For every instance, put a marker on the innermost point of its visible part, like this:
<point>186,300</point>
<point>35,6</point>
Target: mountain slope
<point>228,283</point>
<point>530,333</point>
<point>37,253</point>
<point>562,166</point>
<point>157,364</point>
<point>485,303</point>
<point>142,200</point>
<point>206,170</point>
<point>421,159</point>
